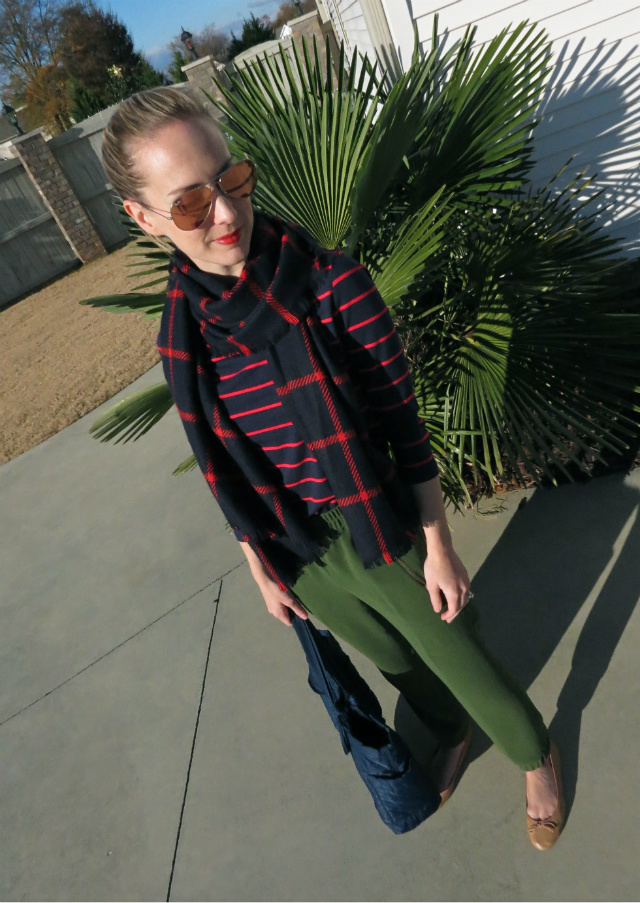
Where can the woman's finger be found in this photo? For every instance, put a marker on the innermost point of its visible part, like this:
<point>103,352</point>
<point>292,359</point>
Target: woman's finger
<point>281,612</point>
<point>436,597</point>
<point>298,607</point>
<point>456,601</point>
<point>452,608</point>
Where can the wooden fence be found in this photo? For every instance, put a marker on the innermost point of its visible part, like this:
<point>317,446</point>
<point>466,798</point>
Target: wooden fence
<point>78,153</point>
<point>33,249</point>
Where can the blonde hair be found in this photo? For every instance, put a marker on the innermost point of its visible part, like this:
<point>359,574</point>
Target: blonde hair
<point>140,116</point>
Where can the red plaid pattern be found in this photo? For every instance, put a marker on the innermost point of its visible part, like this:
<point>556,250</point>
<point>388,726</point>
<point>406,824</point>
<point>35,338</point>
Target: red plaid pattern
<point>271,307</point>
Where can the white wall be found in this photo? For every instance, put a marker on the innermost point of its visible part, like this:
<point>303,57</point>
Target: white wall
<point>591,107</point>
<point>350,26</point>
<point>592,103</point>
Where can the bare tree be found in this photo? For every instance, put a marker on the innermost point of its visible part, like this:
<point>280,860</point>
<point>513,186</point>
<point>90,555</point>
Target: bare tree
<point>211,41</point>
<point>66,59</point>
<point>287,11</point>
<point>29,33</point>
<point>207,41</point>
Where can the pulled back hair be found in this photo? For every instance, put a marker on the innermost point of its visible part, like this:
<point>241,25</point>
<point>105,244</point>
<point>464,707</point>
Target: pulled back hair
<point>140,116</point>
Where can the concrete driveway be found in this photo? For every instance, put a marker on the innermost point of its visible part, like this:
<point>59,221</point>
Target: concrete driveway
<point>158,739</point>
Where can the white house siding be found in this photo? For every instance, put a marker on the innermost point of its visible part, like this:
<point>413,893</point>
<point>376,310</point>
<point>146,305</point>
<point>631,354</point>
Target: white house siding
<point>350,26</point>
<point>591,107</point>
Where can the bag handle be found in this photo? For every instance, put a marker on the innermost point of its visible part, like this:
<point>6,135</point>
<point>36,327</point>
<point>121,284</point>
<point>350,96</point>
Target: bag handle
<point>308,628</point>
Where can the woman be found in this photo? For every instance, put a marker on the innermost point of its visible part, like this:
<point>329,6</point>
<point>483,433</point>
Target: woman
<point>296,398</point>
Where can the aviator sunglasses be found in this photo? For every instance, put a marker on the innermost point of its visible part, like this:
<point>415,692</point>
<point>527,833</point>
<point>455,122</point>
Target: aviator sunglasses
<point>191,209</point>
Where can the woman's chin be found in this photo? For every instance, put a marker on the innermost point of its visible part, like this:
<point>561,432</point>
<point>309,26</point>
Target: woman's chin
<point>220,259</point>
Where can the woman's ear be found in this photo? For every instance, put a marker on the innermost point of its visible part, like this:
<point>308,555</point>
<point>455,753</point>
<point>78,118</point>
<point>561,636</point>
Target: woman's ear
<point>139,216</point>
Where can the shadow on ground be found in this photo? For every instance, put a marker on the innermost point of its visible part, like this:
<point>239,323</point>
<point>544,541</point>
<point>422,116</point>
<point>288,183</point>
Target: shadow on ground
<point>567,553</point>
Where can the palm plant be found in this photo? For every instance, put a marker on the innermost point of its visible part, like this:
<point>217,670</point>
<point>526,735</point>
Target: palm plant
<point>520,354</point>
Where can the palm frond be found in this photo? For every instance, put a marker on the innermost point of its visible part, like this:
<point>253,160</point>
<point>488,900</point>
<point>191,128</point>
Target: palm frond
<point>134,416</point>
<point>150,305</point>
<point>284,110</point>
<point>474,132</point>
<point>392,135</point>
<point>420,237</point>
<point>539,361</point>
<point>188,464</point>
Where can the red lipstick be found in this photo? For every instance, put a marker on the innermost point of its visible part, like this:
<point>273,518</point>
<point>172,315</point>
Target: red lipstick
<point>231,239</point>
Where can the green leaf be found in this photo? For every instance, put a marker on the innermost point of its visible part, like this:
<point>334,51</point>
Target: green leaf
<point>420,237</point>
<point>149,304</point>
<point>287,111</point>
<point>188,464</point>
<point>134,416</point>
<point>392,135</point>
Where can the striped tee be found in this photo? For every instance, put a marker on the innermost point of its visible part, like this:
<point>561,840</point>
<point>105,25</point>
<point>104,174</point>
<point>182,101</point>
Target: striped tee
<point>357,318</point>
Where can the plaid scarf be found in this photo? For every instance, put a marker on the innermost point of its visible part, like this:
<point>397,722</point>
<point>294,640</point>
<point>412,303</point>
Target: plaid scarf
<point>271,307</point>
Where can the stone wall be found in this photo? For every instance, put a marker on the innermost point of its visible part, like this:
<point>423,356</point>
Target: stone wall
<point>309,26</point>
<point>201,74</point>
<point>59,196</point>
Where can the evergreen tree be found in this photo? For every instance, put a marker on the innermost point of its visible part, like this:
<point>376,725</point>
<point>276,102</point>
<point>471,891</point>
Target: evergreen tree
<point>83,102</point>
<point>254,31</point>
<point>174,69</point>
<point>96,50</point>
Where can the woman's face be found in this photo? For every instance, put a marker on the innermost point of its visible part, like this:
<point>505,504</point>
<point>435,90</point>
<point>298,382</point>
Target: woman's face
<point>184,155</point>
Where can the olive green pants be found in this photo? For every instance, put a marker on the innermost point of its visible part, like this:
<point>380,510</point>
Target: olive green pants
<point>444,671</point>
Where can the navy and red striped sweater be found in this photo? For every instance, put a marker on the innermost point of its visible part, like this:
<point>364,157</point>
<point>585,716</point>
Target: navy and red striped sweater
<point>362,331</point>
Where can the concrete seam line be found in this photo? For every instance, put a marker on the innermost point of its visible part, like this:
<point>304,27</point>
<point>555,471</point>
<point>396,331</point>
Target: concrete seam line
<point>193,742</point>
<point>119,646</point>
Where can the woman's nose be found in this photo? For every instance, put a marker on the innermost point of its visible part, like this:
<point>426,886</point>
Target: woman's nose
<point>223,210</point>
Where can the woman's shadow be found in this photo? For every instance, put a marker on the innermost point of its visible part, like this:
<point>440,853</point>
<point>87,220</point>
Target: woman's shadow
<point>578,545</point>
<point>560,549</point>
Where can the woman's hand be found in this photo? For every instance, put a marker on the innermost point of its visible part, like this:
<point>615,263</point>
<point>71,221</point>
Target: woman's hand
<point>279,602</point>
<point>445,575</point>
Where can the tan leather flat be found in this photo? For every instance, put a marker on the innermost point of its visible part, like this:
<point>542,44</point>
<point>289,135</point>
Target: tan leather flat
<point>446,793</point>
<point>543,832</point>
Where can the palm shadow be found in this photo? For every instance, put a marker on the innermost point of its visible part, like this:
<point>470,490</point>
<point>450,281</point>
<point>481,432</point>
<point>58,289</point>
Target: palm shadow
<point>590,112</point>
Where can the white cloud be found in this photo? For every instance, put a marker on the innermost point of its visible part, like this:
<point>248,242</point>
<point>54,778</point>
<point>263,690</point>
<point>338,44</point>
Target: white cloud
<point>159,56</point>
<point>236,24</point>
<point>232,25</point>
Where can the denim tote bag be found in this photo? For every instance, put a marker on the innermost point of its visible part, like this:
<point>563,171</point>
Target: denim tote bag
<point>403,794</point>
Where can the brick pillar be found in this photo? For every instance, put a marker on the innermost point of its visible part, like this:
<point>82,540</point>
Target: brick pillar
<point>60,198</point>
<point>309,26</point>
<point>201,75</point>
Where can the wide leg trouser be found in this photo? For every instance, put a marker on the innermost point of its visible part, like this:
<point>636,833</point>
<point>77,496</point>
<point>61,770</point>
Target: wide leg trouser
<point>444,671</point>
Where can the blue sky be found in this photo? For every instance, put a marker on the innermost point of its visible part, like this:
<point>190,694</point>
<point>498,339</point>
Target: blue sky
<point>153,23</point>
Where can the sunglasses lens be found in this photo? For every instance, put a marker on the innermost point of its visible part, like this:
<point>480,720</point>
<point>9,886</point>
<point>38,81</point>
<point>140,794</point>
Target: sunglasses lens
<point>191,210</point>
<point>239,180</point>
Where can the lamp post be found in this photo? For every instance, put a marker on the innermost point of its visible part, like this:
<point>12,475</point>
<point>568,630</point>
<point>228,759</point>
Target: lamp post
<point>185,37</point>
<point>11,116</point>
